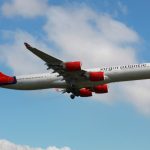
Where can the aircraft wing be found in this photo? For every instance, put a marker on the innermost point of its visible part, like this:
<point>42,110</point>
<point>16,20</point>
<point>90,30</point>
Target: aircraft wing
<point>58,66</point>
<point>45,57</point>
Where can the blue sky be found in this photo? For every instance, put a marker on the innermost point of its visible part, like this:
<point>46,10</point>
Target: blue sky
<point>119,120</point>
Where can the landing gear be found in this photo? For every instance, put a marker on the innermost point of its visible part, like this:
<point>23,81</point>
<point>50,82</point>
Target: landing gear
<point>72,96</point>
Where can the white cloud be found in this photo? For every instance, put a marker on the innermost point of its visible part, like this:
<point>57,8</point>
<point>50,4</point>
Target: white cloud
<point>84,34</point>
<point>6,145</point>
<point>96,39</point>
<point>16,56</point>
<point>27,8</point>
<point>137,93</point>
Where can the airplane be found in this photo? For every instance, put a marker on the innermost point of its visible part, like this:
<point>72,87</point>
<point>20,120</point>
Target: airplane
<point>71,78</point>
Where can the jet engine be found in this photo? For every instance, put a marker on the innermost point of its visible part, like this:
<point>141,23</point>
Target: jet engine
<point>101,89</point>
<point>72,66</point>
<point>96,76</point>
<point>85,92</point>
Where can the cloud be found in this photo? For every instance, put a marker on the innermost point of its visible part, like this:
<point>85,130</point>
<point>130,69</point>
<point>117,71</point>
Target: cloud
<point>98,39</point>
<point>137,93</point>
<point>27,8</point>
<point>83,34</point>
<point>6,145</point>
<point>15,55</point>
<point>80,33</point>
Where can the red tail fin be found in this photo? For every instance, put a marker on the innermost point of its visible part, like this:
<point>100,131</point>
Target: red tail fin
<point>5,80</point>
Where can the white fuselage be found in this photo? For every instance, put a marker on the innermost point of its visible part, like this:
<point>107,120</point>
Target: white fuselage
<point>112,74</point>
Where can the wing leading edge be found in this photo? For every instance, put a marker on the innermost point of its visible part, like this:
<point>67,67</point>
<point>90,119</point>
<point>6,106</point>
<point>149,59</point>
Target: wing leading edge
<point>45,57</point>
<point>58,66</point>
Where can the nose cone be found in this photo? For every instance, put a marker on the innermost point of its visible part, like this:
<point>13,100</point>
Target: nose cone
<point>5,80</point>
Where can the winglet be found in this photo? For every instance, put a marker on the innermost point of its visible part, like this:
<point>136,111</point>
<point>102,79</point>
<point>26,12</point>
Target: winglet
<point>27,45</point>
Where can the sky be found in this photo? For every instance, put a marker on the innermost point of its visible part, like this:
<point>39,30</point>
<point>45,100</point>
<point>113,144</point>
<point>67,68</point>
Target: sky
<point>99,33</point>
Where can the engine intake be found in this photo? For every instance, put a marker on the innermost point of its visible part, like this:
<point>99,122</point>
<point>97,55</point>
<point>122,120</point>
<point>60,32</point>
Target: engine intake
<point>72,66</point>
<point>101,89</point>
<point>96,76</point>
<point>85,92</point>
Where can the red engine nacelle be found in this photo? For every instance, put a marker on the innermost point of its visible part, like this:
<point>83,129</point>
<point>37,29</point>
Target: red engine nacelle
<point>4,79</point>
<point>72,66</point>
<point>85,92</point>
<point>96,76</point>
<point>101,89</point>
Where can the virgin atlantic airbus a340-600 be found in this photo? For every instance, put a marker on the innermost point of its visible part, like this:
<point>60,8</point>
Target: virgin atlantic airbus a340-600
<point>71,78</point>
